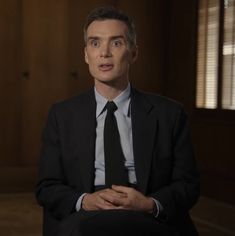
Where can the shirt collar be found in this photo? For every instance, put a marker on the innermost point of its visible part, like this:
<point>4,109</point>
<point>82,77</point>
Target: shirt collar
<point>122,101</point>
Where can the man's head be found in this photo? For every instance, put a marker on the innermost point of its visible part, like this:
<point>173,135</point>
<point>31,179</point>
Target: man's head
<point>110,47</point>
<point>111,13</point>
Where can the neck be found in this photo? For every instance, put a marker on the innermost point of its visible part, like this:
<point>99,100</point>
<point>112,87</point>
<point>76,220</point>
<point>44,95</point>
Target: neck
<point>110,91</point>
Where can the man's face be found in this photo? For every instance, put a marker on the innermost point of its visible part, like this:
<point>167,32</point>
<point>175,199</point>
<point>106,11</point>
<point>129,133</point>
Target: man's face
<point>107,51</point>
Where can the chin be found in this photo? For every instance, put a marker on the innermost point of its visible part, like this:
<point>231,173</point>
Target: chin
<point>107,79</point>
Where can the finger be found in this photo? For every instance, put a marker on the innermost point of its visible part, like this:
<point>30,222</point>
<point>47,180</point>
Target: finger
<point>124,190</point>
<point>121,189</point>
<point>105,197</point>
<point>114,193</point>
<point>109,198</point>
<point>109,207</point>
<point>106,190</point>
<point>105,205</point>
<point>122,208</point>
<point>114,199</point>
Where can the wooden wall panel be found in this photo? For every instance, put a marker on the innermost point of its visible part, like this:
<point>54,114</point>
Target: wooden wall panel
<point>180,46</point>
<point>10,25</point>
<point>44,58</point>
<point>147,72</point>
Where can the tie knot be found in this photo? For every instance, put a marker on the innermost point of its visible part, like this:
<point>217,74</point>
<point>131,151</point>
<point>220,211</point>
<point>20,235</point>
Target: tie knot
<point>111,107</point>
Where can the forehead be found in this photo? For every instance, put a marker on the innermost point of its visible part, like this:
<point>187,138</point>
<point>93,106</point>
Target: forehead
<point>106,28</point>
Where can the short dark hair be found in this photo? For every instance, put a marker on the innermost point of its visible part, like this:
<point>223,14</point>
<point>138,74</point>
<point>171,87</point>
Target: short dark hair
<point>112,13</point>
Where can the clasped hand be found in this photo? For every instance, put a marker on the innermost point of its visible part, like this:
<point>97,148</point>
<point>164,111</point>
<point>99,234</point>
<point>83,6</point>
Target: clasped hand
<point>118,197</point>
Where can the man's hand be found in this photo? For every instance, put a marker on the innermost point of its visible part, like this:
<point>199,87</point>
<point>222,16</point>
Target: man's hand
<point>129,199</point>
<point>101,200</point>
<point>119,197</point>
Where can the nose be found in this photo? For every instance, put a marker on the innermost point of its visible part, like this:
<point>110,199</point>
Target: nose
<point>105,51</point>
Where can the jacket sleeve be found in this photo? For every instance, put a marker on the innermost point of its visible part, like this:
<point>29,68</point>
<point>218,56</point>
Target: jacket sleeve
<point>183,189</point>
<point>52,190</point>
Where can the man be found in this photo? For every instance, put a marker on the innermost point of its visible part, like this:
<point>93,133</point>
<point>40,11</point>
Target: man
<point>146,181</point>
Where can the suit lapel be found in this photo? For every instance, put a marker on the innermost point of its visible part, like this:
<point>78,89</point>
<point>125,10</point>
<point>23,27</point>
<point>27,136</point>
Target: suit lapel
<point>144,125</point>
<point>85,138</point>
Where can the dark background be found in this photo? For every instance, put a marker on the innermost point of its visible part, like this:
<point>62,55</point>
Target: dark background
<point>42,61</point>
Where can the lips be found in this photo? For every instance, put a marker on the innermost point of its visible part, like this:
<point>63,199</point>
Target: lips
<point>106,67</point>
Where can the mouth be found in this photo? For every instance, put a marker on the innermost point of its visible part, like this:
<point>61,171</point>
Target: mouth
<point>106,67</point>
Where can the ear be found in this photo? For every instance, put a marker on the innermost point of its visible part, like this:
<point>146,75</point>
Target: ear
<point>134,54</point>
<point>85,55</point>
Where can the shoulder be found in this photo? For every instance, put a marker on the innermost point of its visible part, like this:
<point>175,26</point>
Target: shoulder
<point>75,102</point>
<point>167,111</point>
<point>158,102</point>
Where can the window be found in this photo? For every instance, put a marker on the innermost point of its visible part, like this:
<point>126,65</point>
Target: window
<point>216,55</point>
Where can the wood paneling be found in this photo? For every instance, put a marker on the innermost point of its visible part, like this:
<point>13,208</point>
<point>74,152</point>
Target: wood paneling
<point>10,26</point>
<point>147,72</point>
<point>180,46</point>
<point>45,59</point>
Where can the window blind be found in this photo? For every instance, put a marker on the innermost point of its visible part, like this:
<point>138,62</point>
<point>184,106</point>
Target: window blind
<point>209,56</point>
<point>228,92</point>
<point>207,67</point>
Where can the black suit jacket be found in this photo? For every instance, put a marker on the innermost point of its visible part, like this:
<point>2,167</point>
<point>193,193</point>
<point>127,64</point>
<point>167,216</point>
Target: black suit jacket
<point>164,160</point>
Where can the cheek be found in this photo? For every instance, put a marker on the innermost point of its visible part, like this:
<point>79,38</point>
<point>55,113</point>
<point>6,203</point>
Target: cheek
<point>125,62</point>
<point>91,62</point>
<point>92,69</point>
<point>90,57</point>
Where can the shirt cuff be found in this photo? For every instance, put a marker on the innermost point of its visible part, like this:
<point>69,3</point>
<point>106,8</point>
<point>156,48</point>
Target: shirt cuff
<point>159,208</point>
<point>79,202</point>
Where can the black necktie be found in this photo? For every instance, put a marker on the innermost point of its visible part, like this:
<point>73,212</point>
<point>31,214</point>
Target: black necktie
<point>115,171</point>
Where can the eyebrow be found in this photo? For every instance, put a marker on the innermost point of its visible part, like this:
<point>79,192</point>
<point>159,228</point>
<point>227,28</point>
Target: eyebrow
<point>112,37</point>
